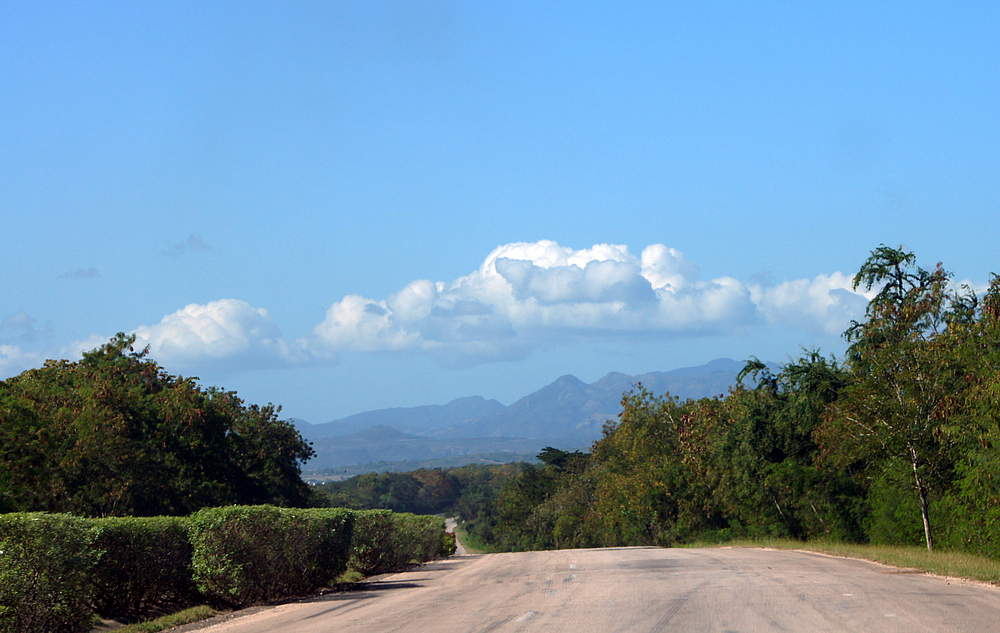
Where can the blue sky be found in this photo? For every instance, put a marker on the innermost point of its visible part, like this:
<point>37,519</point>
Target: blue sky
<point>345,206</point>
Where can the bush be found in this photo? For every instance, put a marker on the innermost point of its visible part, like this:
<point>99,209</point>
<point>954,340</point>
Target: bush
<point>246,554</point>
<point>46,561</point>
<point>419,537</point>
<point>146,562</point>
<point>374,543</point>
<point>385,541</point>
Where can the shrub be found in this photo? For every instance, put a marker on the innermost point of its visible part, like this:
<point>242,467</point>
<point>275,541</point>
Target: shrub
<point>384,541</point>
<point>374,543</point>
<point>146,562</point>
<point>419,537</point>
<point>45,565</point>
<point>246,554</point>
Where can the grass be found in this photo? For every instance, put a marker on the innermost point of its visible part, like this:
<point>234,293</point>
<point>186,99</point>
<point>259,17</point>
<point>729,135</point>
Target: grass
<point>350,576</point>
<point>942,563</point>
<point>187,616</point>
<point>471,544</point>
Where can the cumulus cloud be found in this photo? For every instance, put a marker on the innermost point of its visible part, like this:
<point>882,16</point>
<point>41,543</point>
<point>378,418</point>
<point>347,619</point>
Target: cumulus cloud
<point>222,332</point>
<point>826,303</point>
<point>14,360</point>
<point>524,293</point>
<point>523,296</point>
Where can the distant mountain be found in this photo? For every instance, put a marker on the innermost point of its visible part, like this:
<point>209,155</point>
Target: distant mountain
<point>412,419</point>
<point>572,409</point>
<point>568,414</point>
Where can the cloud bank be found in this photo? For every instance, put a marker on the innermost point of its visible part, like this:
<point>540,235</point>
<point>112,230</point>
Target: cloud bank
<point>527,293</point>
<point>524,296</point>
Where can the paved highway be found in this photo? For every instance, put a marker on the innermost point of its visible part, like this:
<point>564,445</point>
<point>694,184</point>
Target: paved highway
<point>641,589</point>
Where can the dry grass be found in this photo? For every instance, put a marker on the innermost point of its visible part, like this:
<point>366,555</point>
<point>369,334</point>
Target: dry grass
<point>942,563</point>
<point>187,616</point>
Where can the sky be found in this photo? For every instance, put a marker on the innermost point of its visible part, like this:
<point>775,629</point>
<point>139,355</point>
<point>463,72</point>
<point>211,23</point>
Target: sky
<point>344,206</point>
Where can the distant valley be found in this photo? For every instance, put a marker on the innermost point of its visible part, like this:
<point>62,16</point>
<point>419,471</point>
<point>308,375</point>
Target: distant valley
<point>568,414</point>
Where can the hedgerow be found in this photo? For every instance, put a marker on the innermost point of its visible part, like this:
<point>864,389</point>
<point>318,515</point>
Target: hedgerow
<point>59,572</point>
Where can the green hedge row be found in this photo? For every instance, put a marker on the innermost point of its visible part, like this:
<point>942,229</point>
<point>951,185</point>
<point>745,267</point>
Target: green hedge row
<point>304,549</point>
<point>58,571</point>
<point>385,541</point>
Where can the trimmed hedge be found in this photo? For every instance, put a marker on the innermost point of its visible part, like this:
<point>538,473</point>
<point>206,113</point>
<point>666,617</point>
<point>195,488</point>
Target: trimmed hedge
<point>46,562</point>
<point>145,562</point>
<point>375,543</point>
<point>385,541</point>
<point>302,550</point>
<point>420,537</point>
<point>58,571</point>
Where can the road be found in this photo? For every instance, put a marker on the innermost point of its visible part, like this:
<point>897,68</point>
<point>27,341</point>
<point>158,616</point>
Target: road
<point>641,589</point>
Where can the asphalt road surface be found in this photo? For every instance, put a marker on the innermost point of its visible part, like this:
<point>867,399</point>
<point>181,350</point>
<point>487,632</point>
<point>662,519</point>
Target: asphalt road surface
<point>641,589</point>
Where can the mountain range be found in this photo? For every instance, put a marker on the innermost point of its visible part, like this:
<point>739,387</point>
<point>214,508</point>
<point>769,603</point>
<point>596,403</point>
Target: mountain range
<point>568,414</point>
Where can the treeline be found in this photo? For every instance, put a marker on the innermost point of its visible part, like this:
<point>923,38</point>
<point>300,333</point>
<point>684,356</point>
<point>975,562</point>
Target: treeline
<point>59,572</point>
<point>116,435</point>
<point>462,491</point>
<point>896,443</point>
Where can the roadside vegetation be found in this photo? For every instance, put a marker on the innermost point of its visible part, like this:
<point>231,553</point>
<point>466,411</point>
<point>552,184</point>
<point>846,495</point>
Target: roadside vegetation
<point>164,623</point>
<point>59,572</point>
<point>898,444</point>
<point>951,564</point>
<point>128,492</point>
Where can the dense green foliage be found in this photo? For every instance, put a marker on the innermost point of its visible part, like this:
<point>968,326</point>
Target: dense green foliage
<point>116,435</point>
<point>246,554</point>
<point>58,572</point>
<point>145,562</point>
<point>898,443</point>
<point>385,541</point>
<point>46,563</point>
<point>462,491</point>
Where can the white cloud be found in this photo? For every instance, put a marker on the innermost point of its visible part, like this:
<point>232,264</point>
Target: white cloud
<point>219,331</point>
<point>826,303</point>
<point>525,293</point>
<point>14,360</point>
<point>522,297</point>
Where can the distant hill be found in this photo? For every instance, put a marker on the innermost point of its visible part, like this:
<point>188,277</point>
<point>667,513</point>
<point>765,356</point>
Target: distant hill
<point>411,419</point>
<point>568,414</point>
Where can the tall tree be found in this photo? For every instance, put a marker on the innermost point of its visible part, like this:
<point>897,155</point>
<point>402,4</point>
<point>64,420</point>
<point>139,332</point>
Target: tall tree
<point>115,434</point>
<point>904,372</point>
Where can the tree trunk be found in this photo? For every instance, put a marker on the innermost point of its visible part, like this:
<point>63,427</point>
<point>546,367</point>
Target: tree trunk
<point>922,492</point>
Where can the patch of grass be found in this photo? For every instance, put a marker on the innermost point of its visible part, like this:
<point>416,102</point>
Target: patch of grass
<point>471,544</point>
<point>350,576</point>
<point>942,563</point>
<point>187,616</point>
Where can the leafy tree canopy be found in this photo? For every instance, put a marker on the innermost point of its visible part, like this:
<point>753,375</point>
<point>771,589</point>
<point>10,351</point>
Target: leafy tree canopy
<point>115,434</point>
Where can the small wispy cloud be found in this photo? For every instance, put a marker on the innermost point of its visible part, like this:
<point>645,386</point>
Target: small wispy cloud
<point>82,273</point>
<point>22,328</point>
<point>193,244</point>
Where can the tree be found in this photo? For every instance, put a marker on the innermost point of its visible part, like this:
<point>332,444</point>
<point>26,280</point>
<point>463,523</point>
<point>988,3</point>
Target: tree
<point>904,372</point>
<point>114,434</point>
<point>768,456</point>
